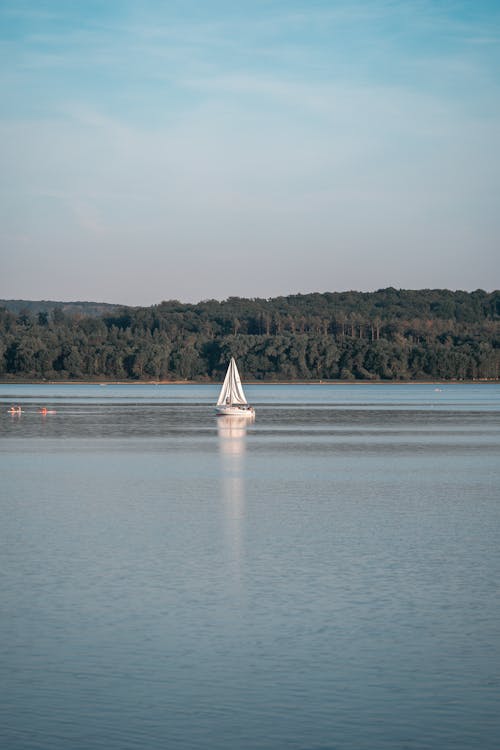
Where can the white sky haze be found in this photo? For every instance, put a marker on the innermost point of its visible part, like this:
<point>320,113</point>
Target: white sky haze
<point>158,150</point>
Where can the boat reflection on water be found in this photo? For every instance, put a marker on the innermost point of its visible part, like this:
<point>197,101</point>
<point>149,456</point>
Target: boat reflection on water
<point>232,433</point>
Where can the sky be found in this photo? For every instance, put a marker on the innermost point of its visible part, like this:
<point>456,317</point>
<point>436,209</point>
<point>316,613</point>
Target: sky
<point>198,149</point>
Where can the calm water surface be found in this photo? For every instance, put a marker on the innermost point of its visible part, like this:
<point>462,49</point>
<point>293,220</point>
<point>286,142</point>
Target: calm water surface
<point>325,578</point>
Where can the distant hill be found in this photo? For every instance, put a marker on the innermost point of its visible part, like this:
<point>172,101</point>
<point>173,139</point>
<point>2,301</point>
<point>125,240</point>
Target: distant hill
<point>390,334</point>
<point>87,309</point>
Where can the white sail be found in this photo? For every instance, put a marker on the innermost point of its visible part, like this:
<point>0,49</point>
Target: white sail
<point>232,390</point>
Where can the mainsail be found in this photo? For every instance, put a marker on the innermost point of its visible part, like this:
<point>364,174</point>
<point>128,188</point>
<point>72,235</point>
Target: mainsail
<point>232,390</point>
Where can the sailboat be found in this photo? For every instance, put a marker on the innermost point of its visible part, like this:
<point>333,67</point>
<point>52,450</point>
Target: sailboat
<point>232,401</point>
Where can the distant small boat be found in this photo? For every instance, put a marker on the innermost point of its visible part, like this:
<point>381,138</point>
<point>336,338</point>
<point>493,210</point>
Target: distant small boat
<point>232,401</point>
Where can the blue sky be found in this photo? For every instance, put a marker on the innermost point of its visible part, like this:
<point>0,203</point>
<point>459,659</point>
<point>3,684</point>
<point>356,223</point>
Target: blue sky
<point>153,149</point>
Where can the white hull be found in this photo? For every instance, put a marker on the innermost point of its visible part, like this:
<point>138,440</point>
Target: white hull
<point>235,411</point>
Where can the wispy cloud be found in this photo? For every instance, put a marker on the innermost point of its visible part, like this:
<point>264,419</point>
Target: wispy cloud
<point>351,41</point>
<point>284,130</point>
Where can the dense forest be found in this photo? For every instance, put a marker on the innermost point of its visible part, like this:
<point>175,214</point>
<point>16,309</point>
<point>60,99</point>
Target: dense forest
<point>385,335</point>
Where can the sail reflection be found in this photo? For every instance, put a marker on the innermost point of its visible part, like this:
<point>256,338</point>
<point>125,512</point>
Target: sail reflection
<point>232,445</point>
<point>232,433</point>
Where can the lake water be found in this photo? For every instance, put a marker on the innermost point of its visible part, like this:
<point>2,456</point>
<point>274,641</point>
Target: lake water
<point>325,578</point>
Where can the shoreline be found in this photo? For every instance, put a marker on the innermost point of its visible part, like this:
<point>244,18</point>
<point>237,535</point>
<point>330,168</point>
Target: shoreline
<point>103,383</point>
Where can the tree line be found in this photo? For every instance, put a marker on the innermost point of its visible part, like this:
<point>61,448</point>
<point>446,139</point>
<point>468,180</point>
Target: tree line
<point>385,335</point>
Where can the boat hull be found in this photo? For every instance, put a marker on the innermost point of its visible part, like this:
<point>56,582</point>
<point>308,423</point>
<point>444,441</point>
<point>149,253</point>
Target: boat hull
<point>235,411</point>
